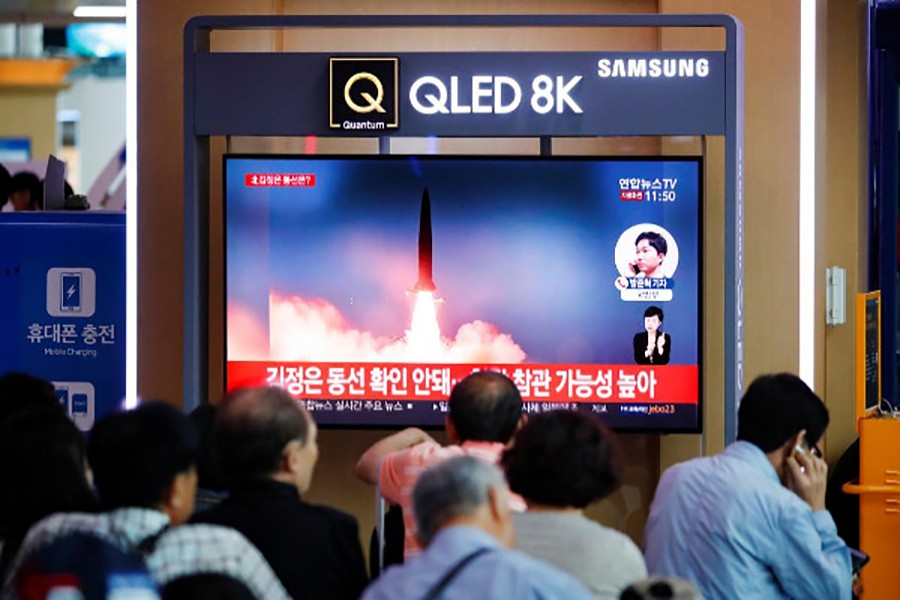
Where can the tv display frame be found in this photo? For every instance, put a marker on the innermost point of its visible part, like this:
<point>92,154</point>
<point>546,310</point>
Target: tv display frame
<point>439,405</point>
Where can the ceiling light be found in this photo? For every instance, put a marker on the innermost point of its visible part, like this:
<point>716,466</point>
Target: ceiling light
<point>100,12</point>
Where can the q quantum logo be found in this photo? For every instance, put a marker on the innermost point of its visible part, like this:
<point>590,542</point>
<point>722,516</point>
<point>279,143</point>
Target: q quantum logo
<point>363,93</point>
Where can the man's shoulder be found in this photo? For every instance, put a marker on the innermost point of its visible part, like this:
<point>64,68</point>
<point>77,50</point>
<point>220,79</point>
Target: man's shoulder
<point>399,470</point>
<point>221,539</point>
<point>208,548</point>
<point>182,547</point>
<point>410,462</point>
<point>333,515</point>
<point>68,521</point>
<point>685,469</point>
<point>219,514</point>
<point>425,453</point>
<point>58,525</point>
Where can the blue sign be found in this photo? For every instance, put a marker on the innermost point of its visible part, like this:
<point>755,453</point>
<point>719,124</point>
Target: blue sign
<point>62,297</point>
<point>15,149</point>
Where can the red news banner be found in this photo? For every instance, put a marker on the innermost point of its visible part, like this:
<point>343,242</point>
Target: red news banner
<point>671,384</point>
<point>280,180</point>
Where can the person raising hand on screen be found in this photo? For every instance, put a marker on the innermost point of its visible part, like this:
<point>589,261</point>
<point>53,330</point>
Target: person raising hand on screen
<point>652,346</point>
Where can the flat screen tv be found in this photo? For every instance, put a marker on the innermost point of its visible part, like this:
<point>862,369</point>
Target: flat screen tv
<point>368,285</point>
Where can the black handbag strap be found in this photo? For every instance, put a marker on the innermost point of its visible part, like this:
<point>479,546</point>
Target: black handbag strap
<point>435,592</point>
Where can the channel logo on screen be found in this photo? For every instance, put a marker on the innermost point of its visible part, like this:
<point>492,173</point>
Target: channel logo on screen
<point>71,292</point>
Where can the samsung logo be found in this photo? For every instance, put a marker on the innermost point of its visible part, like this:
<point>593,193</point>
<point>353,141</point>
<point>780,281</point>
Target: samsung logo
<point>635,68</point>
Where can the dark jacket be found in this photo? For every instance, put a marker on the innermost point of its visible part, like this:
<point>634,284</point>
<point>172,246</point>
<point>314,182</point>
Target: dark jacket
<point>657,358</point>
<point>314,550</point>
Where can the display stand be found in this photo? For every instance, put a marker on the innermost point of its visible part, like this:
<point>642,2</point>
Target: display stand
<point>268,103</point>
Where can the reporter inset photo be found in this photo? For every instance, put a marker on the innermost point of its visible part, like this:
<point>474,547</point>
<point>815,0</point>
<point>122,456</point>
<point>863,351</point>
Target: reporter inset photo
<point>652,346</point>
<point>648,251</point>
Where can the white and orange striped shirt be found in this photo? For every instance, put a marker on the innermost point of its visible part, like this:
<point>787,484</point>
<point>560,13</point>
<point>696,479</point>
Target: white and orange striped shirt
<point>399,472</point>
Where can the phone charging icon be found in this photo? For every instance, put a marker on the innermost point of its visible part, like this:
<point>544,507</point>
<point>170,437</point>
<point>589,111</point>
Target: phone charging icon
<point>70,292</point>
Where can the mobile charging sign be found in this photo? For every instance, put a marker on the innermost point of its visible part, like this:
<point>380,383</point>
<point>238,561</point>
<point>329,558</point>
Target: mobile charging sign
<point>62,295</point>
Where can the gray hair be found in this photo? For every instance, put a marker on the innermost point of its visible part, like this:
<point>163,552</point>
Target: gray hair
<point>456,487</point>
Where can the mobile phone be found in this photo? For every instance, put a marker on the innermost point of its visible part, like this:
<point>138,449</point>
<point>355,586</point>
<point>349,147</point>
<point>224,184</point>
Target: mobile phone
<point>800,450</point>
<point>70,292</point>
<point>858,559</point>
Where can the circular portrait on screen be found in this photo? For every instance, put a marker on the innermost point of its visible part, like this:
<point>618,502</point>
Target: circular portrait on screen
<point>648,251</point>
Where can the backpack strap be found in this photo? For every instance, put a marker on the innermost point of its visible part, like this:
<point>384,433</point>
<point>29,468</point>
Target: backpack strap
<point>435,592</point>
<point>148,544</point>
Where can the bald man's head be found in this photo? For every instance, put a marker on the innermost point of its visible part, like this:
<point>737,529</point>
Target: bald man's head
<point>485,407</point>
<point>252,429</point>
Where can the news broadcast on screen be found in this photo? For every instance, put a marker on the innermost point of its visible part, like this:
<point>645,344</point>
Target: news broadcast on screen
<point>367,286</point>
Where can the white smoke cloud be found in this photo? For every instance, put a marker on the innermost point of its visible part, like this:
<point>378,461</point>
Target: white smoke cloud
<point>302,329</point>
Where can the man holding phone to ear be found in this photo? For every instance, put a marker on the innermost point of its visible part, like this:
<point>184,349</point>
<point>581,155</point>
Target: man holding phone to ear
<point>751,521</point>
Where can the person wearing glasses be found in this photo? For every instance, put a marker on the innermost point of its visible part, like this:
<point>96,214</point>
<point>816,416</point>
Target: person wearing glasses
<point>751,521</point>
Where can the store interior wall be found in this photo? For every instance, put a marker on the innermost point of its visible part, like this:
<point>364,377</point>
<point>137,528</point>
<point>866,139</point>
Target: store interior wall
<point>771,167</point>
<point>100,103</point>
<point>29,111</point>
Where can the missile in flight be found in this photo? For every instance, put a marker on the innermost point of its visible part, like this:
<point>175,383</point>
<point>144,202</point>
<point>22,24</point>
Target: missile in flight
<point>425,282</point>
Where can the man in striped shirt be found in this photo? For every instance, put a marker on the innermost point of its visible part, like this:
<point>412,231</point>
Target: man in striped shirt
<point>485,412</point>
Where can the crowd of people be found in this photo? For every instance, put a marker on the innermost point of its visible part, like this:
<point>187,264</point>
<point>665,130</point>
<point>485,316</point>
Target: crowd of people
<point>499,513</point>
<point>24,192</point>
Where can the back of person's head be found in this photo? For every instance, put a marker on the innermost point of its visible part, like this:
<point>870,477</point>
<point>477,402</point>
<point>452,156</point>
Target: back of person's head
<point>206,586</point>
<point>485,407</point>
<point>209,474</point>
<point>43,470</point>
<point>137,455</point>
<point>22,392</point>
<point>563,459</point>
<point>777,407</point>
<point>24,180</point>
<point>453,488</point>
<point>26,191</point>
<point>661,588</point>
<point>82,566</point>
<point>253,427</point>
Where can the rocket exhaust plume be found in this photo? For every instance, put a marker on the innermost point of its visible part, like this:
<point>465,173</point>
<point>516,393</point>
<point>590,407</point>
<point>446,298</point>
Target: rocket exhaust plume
<point>425,282</point>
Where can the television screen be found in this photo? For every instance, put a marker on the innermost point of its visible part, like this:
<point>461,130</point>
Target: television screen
<point>367,286</point>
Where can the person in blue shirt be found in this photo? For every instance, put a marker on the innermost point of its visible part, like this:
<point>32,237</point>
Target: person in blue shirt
<point>464,521</point>
<point>751,522</point>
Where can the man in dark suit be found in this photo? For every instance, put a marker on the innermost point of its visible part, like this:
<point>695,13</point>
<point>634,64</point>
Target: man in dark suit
<point>266,446</point>
<point>652,346</point>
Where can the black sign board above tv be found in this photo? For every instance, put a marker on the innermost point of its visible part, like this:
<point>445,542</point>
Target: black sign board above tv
<point>465,94</point>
